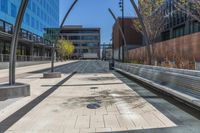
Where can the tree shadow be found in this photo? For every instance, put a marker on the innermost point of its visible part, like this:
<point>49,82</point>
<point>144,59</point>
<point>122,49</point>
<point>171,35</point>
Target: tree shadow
<point>106,98</point>
<point>101,78</point>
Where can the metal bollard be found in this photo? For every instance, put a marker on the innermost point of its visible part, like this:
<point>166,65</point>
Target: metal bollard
<point>111,65</point>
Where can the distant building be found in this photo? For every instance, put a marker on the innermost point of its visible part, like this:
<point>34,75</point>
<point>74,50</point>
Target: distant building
<point>86,41</point>
<point>133,37</point>
<point>107,53</point>
<point>39,14</point>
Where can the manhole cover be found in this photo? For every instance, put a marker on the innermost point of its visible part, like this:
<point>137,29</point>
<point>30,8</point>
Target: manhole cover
<point>93,106</point>
<point>93,88</point>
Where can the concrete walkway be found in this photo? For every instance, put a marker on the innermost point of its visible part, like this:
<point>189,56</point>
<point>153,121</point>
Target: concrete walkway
<point>24,71</point>
<point>66,106</point>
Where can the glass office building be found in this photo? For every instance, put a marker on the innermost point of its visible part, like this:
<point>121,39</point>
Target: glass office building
<point>40,14</point>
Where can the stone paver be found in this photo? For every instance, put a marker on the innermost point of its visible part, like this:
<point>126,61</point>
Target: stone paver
<point>27,69</point>
<point>65,110</point>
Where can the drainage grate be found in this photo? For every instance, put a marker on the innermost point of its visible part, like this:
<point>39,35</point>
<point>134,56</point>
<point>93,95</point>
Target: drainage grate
<point>93,88</point>
<point>93,106</point>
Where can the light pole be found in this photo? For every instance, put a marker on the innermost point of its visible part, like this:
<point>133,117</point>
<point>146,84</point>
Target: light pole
<point>121,6</point>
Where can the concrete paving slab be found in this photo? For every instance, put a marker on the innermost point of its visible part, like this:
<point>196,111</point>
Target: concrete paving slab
<point>66,110</point>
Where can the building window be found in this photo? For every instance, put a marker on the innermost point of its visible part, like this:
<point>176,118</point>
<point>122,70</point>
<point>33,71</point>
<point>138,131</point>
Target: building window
<point>195,27</point>
<point>29,36</point>
<point>24,34</point>
<point>4,6</point>
<point>84,45</point>
<point>33,7</point>
<point>29,4</point>
<point>41,2</point>
<point>1,47</point>
<point>8,28</point>
<point>13,10</point>
<point>32,22</point>
<point>74,38</point>
<point>37,25</point>
<point>6,48</point>
<point>38,11</point>
<point>85,50</point>
<point>27,19</point>
<point>1,25</point>
<point>41,27</point>
<point>89,37</point>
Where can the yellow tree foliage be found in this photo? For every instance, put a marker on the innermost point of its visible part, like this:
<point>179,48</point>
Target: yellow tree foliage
<point>65,48</point>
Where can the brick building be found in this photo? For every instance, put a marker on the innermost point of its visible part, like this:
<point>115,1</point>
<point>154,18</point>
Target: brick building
<point>132,36</point>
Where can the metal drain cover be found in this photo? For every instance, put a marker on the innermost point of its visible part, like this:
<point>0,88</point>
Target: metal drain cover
<point>93,88</point>
<point>93,106</point>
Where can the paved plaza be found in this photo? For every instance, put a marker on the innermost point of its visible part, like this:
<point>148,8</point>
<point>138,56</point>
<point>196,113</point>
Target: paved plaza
<point>93,99</point>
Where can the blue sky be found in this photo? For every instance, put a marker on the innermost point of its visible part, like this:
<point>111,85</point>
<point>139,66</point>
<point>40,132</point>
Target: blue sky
<point>94,13</point>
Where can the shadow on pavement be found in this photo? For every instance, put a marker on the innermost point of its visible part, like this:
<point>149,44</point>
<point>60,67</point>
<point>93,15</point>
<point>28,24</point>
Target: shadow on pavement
<point>187,119</point>
<point>12,119</point>
<point>106,98</point>
<point>83,84</point>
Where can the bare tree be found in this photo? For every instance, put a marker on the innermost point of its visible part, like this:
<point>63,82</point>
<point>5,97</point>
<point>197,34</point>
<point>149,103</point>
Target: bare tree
<point>151,22</point>
<point>189,7</point>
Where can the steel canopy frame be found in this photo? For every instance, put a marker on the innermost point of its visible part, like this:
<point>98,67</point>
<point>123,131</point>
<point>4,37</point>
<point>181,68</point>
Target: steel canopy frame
<point>146,38</point>
<point>14,42</point>
<point>120,29</point>
<point>60,28</point>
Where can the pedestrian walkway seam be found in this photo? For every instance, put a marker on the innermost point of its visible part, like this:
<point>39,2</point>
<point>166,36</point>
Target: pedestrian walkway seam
<point>12,119</point>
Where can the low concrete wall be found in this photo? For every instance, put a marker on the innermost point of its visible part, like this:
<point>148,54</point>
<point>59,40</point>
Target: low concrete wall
<point>5,65</point>
<point>165,69</point>
<point>183,80</point>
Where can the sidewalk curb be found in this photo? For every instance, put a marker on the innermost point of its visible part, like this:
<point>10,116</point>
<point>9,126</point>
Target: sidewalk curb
<point>191,101</point>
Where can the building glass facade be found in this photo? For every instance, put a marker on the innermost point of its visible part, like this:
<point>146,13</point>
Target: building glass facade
<point>177,23</point>
<point>40,14</point>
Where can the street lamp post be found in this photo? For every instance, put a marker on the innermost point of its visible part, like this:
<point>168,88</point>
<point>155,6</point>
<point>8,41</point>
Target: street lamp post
<point>121,6</point>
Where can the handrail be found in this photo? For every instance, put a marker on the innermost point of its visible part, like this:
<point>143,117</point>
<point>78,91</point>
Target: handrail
<point>5,58</point>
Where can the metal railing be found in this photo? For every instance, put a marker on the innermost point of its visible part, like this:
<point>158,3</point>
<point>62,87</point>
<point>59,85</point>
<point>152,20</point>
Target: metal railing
<point>5,58</point>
